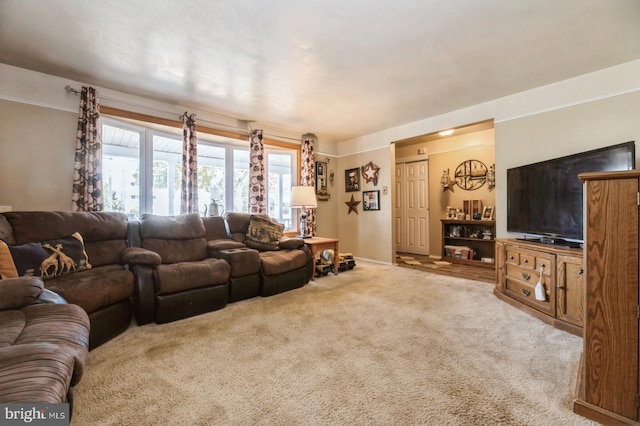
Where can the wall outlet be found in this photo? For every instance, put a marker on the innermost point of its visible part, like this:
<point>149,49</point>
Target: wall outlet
<point>5,209</point>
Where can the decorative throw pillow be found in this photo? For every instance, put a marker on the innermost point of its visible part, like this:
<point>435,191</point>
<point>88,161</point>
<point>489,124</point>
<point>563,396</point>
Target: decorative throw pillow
<point>46,259</point>
<point>263,234</point>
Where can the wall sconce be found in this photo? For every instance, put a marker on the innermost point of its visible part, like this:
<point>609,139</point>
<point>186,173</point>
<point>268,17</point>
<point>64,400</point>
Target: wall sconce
<point>491,176</point>
<point>445,181</point>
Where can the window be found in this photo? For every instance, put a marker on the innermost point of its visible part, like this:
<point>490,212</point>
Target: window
<point>142,172</point>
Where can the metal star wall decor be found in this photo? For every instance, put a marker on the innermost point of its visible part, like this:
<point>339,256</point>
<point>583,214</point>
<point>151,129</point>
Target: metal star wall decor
<point>353,205</point>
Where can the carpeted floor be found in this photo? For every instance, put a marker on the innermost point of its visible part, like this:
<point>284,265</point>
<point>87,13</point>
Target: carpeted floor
<point>377,345</point>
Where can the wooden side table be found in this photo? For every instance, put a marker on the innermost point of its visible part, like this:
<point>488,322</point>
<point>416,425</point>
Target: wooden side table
<point>317,244</point>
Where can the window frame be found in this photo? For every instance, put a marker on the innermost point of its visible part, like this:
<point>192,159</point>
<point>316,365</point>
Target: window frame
<point>149,125</point>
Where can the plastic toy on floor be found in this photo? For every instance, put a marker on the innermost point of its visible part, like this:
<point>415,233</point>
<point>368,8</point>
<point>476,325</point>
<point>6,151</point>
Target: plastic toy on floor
<point>325,262</point>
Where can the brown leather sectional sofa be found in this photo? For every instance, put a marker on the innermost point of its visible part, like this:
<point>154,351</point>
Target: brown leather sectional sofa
<point>157,269</point>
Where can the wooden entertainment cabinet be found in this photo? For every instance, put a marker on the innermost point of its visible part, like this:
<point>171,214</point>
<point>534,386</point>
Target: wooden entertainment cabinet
<point>610,378</point>
<point>518,268</point>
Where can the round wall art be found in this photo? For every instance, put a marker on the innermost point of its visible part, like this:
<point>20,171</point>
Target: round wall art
<point>471,174</point>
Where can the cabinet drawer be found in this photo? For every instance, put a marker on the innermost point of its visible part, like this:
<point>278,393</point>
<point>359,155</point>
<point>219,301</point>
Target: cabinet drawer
<point>525,293</point>
<point>530,260</point>
<point>524,274</point>
<point>521,283</point>
<point>513,256</point>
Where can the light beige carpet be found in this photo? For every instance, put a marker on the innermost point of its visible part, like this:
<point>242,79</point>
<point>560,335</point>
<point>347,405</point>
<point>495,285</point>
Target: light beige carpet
<point>377,345</point>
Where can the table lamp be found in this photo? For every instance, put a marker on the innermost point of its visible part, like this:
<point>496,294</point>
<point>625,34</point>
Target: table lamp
<point>303,198</point>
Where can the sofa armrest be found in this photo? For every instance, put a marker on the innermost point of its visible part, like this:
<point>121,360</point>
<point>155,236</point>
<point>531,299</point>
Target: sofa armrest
<point>140,256</point>
<point>291,243</point>
<point>16,293</point>
<point>215,246</point>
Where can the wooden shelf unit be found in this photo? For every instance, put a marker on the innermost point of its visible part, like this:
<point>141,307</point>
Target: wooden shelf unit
<point>483,248</point>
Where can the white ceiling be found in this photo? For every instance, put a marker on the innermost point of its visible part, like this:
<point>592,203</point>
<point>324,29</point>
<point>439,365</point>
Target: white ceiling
<point>338,68</point>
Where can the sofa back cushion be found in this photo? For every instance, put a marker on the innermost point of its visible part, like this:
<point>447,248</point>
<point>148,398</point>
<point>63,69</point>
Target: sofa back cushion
<point>6,233</point>
<point>104,233</point>
<point>215,227</point>
<point>175,238</point>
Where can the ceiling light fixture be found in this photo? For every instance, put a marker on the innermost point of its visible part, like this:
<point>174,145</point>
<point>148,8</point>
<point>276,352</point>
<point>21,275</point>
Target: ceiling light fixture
<point>446,132</point>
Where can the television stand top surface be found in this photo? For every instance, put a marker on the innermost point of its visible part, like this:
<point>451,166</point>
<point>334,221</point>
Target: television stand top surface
<point>558,242</point>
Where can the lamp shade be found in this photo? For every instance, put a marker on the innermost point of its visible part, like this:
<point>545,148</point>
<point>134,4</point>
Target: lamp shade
<point>303,196</point>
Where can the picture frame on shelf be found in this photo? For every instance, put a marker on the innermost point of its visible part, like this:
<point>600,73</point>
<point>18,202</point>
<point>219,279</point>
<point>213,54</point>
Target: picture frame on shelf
<point>352,180</point>
<point>487,213</point>
<point>370,200</point>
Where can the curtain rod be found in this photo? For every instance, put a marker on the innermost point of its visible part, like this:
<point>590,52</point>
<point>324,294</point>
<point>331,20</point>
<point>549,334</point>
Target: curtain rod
<point>77,92</point>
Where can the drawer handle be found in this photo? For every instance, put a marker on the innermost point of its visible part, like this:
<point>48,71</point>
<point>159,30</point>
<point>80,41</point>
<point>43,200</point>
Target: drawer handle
<point>559,287</point>
<point>526,292</point>
<point>511,257</point>
<point>525,261</point>
<point>526,277</point>
<point>580,270</point>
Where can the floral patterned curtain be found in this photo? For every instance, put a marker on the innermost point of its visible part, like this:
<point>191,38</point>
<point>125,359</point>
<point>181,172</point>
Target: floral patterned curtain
<point>189,199</point>
<point>308,176</point>
<point>257,199</point>
<point>87,168</point>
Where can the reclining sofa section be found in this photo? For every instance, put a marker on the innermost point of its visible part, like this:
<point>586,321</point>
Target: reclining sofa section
<point>101,285</point>
<point>172,266</point>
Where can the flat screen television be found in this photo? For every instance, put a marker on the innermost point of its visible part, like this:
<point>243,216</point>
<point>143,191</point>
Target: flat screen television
<point>544,200</point>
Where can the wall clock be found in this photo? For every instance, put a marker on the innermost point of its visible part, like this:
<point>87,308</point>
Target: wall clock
<point>471,174</point>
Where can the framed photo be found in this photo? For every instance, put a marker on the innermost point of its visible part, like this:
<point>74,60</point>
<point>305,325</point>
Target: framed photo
<point>321,181</point>
<point>370,200</point>
<point>487,213</point>
<point>352,179</point>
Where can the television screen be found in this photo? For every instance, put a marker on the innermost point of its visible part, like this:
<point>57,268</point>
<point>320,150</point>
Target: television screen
<point>545,198</point>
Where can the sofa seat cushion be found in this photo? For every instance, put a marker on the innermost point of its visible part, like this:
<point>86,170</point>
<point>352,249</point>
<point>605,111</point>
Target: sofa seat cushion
<point>35,373</point>
<point>178,277</point>
<point>96,288</point>
<point>278,262</point>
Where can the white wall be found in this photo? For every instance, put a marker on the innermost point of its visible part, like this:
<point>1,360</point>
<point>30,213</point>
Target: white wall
<point>366,234</point>
<point>593,101</point>
<point>37,147</point>
<point>562,132</point>
<point>599,106</point>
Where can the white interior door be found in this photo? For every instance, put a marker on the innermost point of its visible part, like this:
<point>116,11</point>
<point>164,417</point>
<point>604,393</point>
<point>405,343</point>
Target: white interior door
<point>400,215</point>
<point>417,207</point>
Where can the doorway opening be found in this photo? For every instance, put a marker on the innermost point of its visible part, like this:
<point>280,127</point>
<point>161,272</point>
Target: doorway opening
<point>420,201</point>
